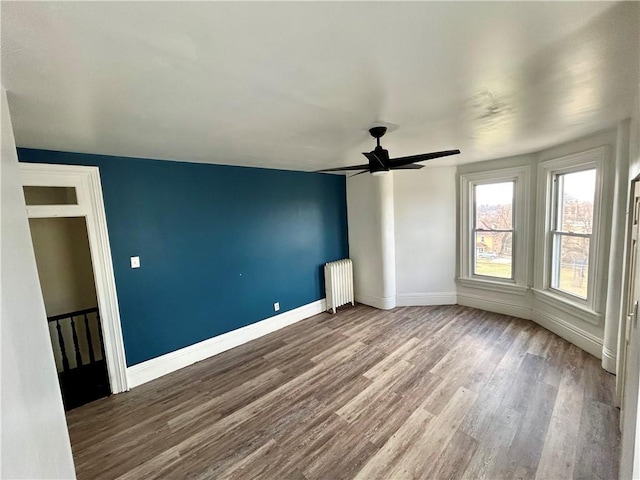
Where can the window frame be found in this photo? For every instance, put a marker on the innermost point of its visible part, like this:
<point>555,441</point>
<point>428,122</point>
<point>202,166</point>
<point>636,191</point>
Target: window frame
<point>546,231</point>
<point>520,237</point>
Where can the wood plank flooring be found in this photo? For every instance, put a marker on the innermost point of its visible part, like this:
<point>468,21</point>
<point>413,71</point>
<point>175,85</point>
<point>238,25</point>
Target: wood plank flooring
<point>417,392</point>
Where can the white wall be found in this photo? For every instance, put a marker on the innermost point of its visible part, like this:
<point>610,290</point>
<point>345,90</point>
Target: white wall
<point>425,235</point>
<point>402,237</point>
<point>34,439</point>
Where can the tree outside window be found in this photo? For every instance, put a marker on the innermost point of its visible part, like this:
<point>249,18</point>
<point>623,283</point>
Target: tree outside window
<point>573,200</point>
<point>493,229</point>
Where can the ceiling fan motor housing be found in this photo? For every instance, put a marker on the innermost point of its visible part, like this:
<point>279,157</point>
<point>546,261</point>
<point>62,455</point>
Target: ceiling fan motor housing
<point>383,155</point>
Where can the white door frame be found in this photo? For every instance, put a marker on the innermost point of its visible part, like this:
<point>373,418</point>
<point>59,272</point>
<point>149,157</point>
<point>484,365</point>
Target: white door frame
<point>627,311</point>
<point>86,181</point>
<point>627,380</point>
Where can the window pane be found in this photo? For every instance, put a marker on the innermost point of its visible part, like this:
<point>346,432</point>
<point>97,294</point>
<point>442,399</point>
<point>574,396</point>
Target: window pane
<point>571,265</point>
<point>493,204</point>
<point>493,257</point>
<point>576,193</point>
<point>50,195</point>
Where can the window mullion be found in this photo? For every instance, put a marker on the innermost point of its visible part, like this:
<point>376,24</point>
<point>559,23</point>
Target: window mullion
<point>572,234</point>
<point>482,230</point>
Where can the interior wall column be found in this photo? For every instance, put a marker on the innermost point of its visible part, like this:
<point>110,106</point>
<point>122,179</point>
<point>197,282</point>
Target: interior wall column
<point>384,190</point>
<point>615,281</point>
<point>370,213</point>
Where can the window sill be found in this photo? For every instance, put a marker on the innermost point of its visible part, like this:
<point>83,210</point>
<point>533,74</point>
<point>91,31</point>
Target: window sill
<point>566,305</point>
<point>493,286</point>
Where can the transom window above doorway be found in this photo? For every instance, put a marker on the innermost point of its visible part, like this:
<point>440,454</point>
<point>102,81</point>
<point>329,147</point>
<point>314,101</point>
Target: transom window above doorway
<point>37,195</point>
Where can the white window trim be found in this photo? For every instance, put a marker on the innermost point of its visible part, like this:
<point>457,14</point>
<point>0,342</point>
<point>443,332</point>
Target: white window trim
<point>521,177</point>
<point>595,158</point>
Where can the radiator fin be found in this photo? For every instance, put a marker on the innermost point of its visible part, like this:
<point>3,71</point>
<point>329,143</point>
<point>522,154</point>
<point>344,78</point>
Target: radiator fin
<point>338,281</point>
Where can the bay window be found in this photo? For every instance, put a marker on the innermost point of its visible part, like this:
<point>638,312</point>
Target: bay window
<point>565,244</point>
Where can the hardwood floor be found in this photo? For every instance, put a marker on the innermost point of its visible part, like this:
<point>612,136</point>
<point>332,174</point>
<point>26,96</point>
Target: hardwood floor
<point>417,392</point>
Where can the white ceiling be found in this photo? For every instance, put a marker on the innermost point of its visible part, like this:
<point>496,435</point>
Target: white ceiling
<point>297,85</point>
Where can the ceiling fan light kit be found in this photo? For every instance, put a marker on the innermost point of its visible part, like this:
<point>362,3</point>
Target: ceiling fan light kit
<point>380,163</point>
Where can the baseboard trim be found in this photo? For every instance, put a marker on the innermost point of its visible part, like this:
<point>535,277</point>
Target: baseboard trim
<point>609,360</point>
<point>493,305</point>
<point>580,338</point>
<point>553,301</point>
<point>383,303</point>
<point>426,299</point>
<point>157,367</point>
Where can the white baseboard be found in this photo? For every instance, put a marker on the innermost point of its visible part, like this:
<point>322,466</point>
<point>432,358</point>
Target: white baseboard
<point>609,360</point>
<point>170,362</point>
<point>494,305</point>
<point>383,303</point>
<point>580,338</point>
<point>426,299</point>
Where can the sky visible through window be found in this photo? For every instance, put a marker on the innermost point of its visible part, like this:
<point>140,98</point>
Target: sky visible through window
<point>580,185</point>
<point>494,194</point>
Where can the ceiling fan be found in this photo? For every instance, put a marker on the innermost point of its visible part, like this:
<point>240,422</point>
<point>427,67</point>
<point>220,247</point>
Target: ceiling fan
<point>379,161</point>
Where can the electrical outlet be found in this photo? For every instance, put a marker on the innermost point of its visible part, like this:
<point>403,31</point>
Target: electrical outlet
<point>135,262</point>
<point>276,306</point>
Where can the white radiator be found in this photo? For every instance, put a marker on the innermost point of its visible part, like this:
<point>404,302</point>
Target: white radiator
<point>338,282</point>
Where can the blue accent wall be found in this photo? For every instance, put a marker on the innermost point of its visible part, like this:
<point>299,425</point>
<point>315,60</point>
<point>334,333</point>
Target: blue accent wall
<point>218,245</point>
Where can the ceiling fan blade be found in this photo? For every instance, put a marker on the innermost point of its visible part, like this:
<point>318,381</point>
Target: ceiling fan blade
<point>410,166</point>
<point>396,162</point>
<point>354,167</point>
<point>359,173</point>
<point>374,159</point>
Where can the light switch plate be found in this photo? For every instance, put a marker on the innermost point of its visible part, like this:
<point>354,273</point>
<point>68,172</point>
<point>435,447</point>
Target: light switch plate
<point>135,262</point>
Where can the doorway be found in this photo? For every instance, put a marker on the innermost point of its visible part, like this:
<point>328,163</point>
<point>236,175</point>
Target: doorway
<point>65,271</point>
<point>66,201</point>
